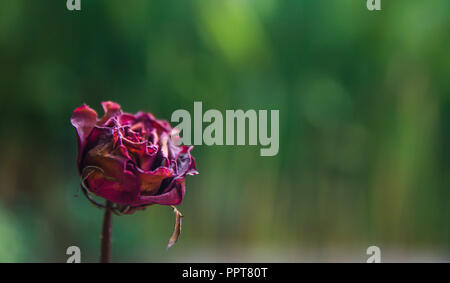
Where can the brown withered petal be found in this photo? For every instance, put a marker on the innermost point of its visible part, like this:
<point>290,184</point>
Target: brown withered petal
<point>177,230</point>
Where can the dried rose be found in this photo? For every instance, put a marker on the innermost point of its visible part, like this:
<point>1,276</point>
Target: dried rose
<point>129,159</point>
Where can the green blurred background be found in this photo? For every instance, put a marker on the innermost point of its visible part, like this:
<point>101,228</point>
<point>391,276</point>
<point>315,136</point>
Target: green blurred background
<point>364,114</point>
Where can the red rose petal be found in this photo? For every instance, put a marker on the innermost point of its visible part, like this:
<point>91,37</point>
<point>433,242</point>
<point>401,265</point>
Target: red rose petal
<point>83,119</point>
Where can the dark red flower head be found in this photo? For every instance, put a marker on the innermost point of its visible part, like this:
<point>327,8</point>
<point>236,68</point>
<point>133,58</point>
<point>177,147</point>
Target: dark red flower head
<point>130,159</point>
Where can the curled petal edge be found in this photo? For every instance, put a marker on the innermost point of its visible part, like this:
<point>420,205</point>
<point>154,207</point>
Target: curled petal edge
<point>83,119</point>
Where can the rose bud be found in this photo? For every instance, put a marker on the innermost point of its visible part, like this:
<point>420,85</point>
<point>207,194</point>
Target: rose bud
<point>130,160</point>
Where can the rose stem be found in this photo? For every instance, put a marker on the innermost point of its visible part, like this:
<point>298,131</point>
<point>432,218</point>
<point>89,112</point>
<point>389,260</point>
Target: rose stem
<point>105,256</point>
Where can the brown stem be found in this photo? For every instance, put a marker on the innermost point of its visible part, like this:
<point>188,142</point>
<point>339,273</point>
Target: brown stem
<point>105,255</point>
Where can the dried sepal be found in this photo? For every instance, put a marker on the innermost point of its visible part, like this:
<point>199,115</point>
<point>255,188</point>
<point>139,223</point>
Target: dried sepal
<point>177,230</point>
